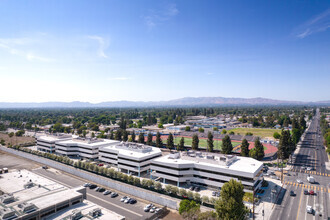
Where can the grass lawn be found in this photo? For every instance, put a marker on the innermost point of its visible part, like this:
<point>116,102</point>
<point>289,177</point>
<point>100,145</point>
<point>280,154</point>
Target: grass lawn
<point>203,142</point>
<point>261,132</point>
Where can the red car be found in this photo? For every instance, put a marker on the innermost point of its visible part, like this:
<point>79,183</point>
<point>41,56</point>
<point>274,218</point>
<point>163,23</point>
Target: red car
<point>100,164</point>
<point>311,192</point>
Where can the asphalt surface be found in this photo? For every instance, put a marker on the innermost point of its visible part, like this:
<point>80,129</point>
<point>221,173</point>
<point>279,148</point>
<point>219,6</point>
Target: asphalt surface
<point>130,211</point>
<point>312,154</point>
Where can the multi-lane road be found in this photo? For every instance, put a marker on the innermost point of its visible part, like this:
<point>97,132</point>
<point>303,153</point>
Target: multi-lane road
<point>311,156</point>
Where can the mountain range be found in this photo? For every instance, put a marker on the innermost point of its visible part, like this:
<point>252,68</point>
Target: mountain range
<point>183,102</point>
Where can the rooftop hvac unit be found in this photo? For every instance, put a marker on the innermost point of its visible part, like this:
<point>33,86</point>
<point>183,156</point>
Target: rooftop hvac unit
<point>210,157</point>
<point>27,207</point>
<point>7,198</point>
<point>28,185</point>
<point>76,214</point>
<point>95,212</point>
<point>7,214</point>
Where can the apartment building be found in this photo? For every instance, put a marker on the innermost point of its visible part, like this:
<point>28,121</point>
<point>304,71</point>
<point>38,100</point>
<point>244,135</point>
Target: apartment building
<point>130,157</point>
<point>207,169</point>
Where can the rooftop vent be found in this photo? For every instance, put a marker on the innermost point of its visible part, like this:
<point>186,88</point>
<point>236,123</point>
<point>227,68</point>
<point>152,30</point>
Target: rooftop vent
<point>76,214</point>
<point>7,214</point>
<point>95,212</point>
<point>27,207</point>
<point>7,198</point>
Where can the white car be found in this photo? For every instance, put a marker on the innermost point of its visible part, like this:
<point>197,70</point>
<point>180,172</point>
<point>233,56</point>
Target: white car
<point>127,200</point>
<point>123,199</point>
<point>299,181</point>
<point>309,168</point>
<point>87,184</point>
<point>148,207</point>
<point>309,209</point>
<point>107,192</point>
<point>153,209</point>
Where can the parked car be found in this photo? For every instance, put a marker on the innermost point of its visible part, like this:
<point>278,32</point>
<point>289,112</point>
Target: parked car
<point>147,207</point>
<point>127,200</point>
<point>192,188</point>
<point>132,201</point>
<point>306,192</point>
<point>113,195</point>
<point>214,193</point>
<point>299,181</point>
<point>311,192</point>
<point>107,192</point>
<point>44,167</point>
<point>123,199</point>
<point>158,210</point>
<point>87,185</point>
<point>93,186</point>
<point>100,164</point>
<point>153,209</point>
<point>97,189</point>
<point>309,168</point>
<point>197,189</point>
<point>292,193</point>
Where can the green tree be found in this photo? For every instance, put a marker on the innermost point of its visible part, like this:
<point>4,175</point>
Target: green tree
<point>111,135</point>
<point>226,146</point>
<point>245,148</point>
<point>276,135</point>
<point>159,142</point>
<point>141,138</point>
<point>230,204</point>
<point>187,128</point>
<point>302,122</point>
<point>260,153</point>
<point>118,135</point>
<point>201,130</point>
<point>285,146</point>
<point>133,136</point>
<point>180,146</point>
<point>149,139</point>
<point>215,129</point>
<point>170,141</point>
<point>125,135</point>
<point>195,142</point>
<point>224,131</point>
<point>160,125</point>
<point>295,135</point>
<point>210,142</point>
<point>186,205</point>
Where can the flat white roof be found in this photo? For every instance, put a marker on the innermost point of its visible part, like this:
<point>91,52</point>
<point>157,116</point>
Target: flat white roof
<point>133,153</point>
<point>50,138</point>
<point>89,142</point>
<point>241,164</point>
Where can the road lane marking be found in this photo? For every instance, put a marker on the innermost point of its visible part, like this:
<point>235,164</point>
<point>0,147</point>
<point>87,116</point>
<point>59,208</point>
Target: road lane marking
<point>299,204</point>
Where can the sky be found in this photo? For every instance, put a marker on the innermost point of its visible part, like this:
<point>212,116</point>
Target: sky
<point>149,50</point>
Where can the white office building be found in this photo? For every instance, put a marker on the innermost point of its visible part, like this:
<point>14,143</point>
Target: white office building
<point>46,143</point>
<point>82,147</point>
<point>130,157</point>
<point>207,169</point>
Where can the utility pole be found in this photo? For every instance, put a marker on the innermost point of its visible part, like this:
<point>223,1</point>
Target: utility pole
<point>253,205</point>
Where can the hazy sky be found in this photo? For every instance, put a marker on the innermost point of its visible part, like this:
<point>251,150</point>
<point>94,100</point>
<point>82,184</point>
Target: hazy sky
<point>160,50</point>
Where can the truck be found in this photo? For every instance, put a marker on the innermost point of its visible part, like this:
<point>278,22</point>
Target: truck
<point>310,179</point>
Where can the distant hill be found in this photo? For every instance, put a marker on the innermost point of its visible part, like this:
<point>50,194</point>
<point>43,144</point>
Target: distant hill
<point>184,102</point>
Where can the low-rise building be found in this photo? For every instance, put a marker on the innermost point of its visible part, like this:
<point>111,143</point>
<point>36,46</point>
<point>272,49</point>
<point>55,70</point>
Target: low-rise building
<point>207,169</point>
<point>130,157</point>
<point>46,143</point>
<point>82,147</point>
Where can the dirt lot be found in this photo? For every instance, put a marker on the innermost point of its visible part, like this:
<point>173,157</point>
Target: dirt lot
<point>12,162</point>
<point>15,140</point>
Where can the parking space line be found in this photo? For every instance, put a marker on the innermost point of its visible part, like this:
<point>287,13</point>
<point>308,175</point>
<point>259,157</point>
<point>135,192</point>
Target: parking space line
<point>135,213</point>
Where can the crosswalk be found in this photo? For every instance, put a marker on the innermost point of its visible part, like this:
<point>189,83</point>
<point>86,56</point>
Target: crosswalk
<point>311,172</point>
<point>306,186</point>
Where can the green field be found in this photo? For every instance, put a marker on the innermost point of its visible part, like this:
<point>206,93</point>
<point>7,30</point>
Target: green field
<point>261,132</point>
<point>203,142</point>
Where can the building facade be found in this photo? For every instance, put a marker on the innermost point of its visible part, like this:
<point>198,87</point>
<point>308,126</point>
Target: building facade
<point>46,143</point>
<point>130,157</point>
<point>207,169</point>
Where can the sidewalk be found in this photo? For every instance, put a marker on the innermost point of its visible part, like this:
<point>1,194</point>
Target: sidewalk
<point>267,203</point>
